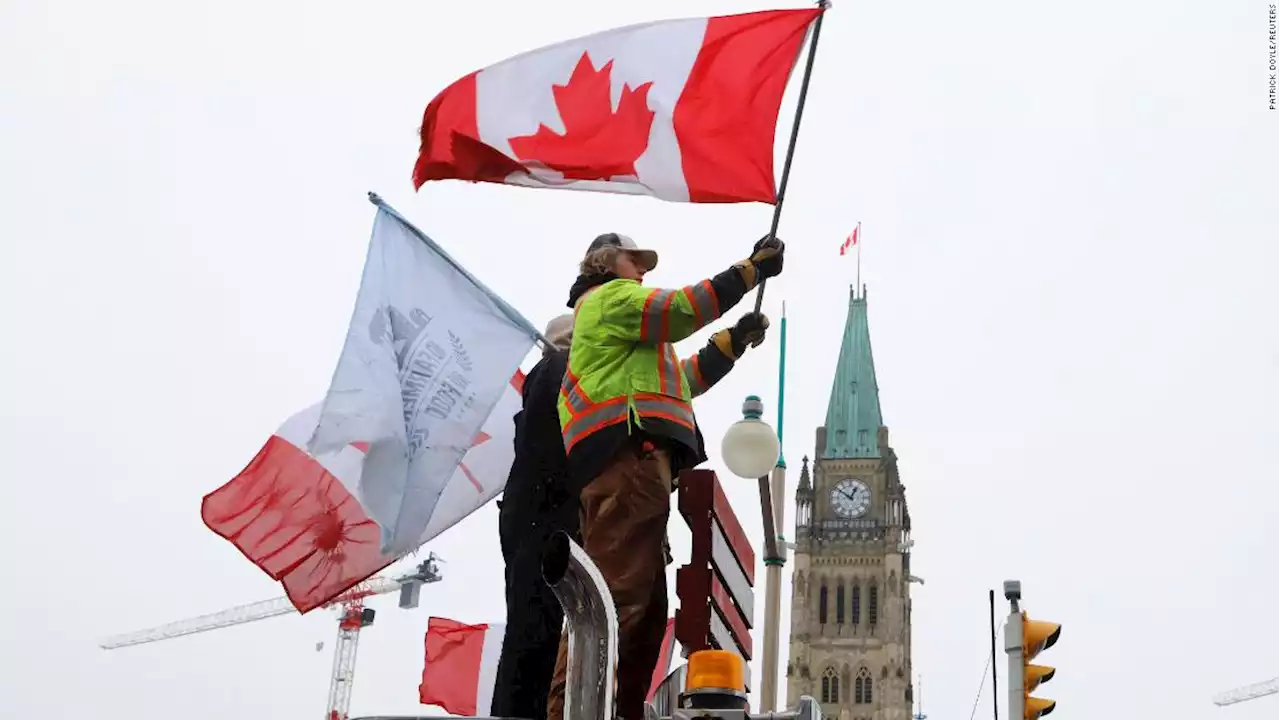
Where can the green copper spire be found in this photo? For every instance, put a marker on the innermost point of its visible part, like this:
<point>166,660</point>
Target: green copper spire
<point>853,412</point>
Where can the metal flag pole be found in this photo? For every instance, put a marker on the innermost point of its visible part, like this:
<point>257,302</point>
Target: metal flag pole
<point>858,240</point>
<point>795,133</point>
<point>512,314</point>
<point>995,688</point>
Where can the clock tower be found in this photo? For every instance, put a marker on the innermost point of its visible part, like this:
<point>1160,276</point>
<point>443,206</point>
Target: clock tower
<point>851,596</point>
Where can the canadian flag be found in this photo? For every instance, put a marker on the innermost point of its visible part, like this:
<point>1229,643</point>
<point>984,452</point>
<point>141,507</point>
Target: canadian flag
<point>296,516</point>
<point>683,110</point>
<point>462,665</point>
<point>851,240</point>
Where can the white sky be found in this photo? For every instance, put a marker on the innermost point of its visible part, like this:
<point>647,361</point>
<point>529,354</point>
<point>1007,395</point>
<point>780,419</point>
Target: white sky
<point>1070,218</point>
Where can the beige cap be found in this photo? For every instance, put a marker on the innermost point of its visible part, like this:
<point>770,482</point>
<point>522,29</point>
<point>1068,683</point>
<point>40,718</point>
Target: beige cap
<point>559,331</point>
<point>647,258</point>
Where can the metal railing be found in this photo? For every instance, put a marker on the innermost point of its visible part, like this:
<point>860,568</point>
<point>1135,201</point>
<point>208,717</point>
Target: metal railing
<point>593,652</point>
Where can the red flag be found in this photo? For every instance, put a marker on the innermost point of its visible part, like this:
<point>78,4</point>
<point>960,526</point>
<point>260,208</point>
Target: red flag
<point>461,665</point>
<point>683,110</point>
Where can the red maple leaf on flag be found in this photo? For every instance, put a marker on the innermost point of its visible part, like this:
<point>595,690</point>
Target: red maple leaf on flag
<point>598,142</point>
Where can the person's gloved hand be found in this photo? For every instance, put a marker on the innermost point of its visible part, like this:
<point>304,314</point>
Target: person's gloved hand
<point>767,256</point>
<point>748,331</point>
<point>765,261</point>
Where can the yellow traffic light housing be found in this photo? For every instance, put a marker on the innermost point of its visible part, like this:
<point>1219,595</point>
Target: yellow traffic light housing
<point>1037,636</point>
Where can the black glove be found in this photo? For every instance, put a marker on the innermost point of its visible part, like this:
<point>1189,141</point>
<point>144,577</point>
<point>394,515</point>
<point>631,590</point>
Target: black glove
<point>748,331</point>
<point>767,256</point>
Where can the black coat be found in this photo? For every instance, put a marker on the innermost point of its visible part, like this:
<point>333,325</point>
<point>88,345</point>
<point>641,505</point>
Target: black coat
<point>535,504</point>
<point>537,485</point>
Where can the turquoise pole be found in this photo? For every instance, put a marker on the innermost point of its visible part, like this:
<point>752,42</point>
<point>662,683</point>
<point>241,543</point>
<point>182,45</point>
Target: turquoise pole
<point>782,383</point>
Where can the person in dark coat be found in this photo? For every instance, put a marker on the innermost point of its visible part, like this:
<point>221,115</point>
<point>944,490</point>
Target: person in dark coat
<point>535,504</point>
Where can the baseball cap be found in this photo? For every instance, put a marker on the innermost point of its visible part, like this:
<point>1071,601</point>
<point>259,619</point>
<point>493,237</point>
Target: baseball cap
<point>559,331</point>
<point>648,258</point>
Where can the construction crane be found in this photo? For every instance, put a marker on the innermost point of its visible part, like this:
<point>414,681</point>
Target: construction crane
<point>353,616</point>
<point>1248,692</point>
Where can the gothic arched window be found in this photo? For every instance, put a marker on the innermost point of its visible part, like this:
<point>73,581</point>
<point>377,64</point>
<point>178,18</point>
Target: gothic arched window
<point>862,688</point>
<point>830,686</point>
<point>873,604</point>
<point>840,603</point>
<point>822,604</point>
<point>857,602</point>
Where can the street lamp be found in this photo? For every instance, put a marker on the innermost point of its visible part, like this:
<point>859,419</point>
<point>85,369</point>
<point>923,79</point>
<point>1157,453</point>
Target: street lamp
<point>750,447</point>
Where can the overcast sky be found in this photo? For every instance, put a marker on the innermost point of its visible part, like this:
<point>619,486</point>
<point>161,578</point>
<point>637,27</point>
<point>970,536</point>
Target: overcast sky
<point>1070,233</point>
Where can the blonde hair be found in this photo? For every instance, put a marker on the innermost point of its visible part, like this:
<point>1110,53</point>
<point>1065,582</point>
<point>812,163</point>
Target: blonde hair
<point>600,261</point>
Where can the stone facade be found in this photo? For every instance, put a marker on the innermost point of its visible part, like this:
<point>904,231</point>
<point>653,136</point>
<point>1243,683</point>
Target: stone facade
<point>850,645</point>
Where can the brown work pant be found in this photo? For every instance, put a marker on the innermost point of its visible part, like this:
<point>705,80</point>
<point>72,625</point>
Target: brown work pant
<point>624,527</point>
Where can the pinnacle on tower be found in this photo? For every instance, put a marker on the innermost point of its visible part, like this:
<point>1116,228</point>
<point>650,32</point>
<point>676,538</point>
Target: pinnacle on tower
<point>853,412</point>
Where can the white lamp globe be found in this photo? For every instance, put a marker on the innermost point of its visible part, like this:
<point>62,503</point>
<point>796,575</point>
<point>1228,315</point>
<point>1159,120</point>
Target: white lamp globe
<point>750,447</point>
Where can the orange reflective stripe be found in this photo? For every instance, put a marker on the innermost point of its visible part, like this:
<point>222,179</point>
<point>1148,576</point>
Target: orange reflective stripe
<point>652,318</point>
<point>668,371</point>
<point>666,408</point>
<point>616,410</point>
<point>592,419</point>
<point>573,395</point>
<point>667,299</point>
<point>693,373</point>
<point>703,298</point>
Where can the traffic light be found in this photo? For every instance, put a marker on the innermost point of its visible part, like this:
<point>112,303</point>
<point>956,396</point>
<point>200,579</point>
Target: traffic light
<point>1037,636</point>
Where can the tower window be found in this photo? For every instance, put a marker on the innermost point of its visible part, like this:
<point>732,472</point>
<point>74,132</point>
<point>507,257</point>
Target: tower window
<point>862,688</point>
<point>862,438</point>
<point>857,602</point>
<point>822,605</point>
<point>840,604</point>
<point>830,686</point>
<point>873,604</point>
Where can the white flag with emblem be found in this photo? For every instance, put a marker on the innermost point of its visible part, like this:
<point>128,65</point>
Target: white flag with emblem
<point>429,352</point>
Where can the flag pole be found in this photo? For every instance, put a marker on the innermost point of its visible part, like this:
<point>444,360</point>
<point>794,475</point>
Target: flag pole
<point>795,132</point>
<point>512,314</point>
<point>859,241</point>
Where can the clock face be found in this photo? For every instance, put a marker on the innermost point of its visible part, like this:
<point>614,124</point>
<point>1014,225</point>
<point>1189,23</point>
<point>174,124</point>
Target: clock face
<point>850,498</point>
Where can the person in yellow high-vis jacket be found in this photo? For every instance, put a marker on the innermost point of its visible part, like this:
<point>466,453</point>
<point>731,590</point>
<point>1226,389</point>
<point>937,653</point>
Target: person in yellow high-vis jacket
<point>628,427</point>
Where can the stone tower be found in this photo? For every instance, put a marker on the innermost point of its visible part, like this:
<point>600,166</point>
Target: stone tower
<point>851,600</point>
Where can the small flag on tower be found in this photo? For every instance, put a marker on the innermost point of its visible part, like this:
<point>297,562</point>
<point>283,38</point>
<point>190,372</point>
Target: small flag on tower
<point>851,240</point>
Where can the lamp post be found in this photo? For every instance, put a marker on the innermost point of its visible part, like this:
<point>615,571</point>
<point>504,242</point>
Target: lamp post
<point>751,449</point>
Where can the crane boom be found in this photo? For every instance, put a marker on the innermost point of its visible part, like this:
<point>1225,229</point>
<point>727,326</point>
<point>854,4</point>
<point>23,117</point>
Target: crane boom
<point>1248,692</point>
<point>257,611</point>
<point>212,621</point>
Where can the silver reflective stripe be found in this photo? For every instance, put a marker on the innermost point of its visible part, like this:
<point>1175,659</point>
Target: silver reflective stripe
<point>693,374</point>
<point>582,425</point>
<point>671,409</point>
<point>704,301</point>
<point>669,370</point>
<point>599,416</point>
<point>655,307</point>
<point>578,402</point>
